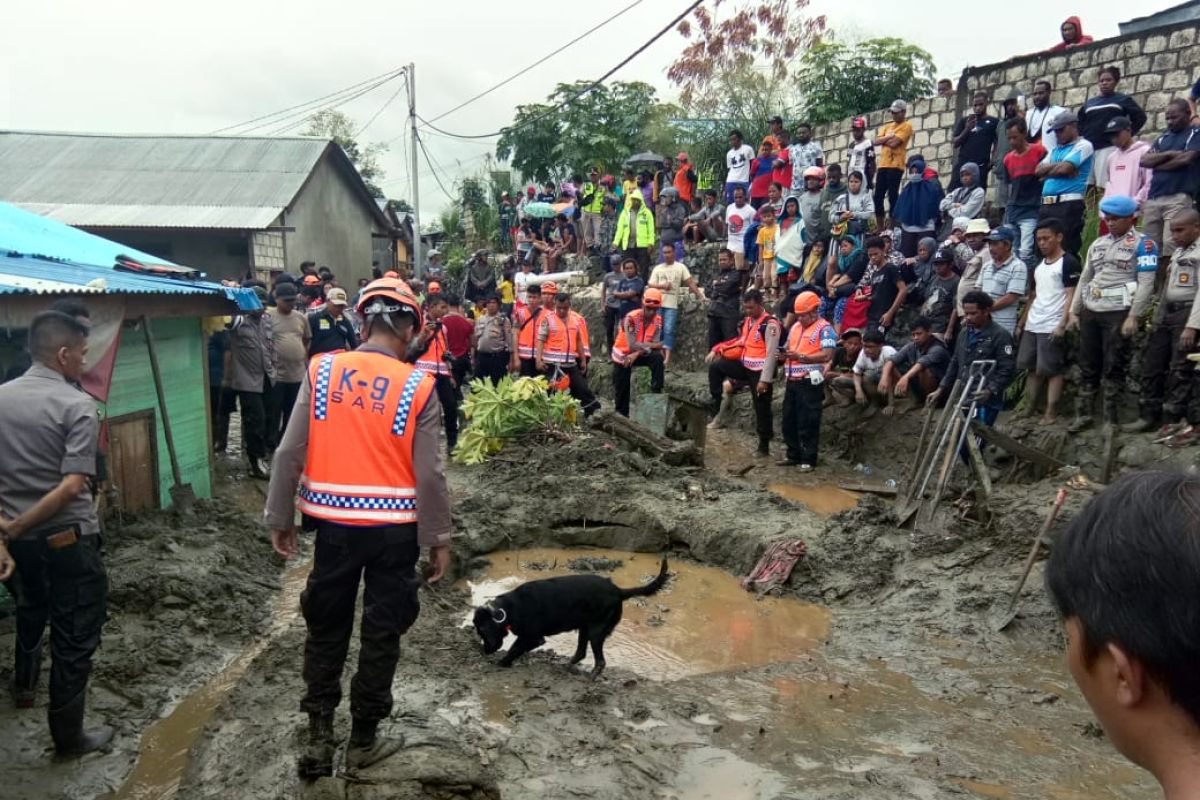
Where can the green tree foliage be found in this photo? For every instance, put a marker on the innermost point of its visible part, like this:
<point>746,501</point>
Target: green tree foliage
<point>839,80</point>
<point>550,141</point>
<point>333,124</point>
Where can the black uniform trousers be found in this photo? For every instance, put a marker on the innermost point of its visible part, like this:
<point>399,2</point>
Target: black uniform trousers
<point>68,588</point>
<point>1167,375</point>
<point>802,406</point>
<point>447,395</point>
<point>578,387</point>
<point>385,558</point>
<point>721,329</point>
<point>623,375</point>
<point>1070,214</point>
<point>528,368</point>
<point>223,400</point>
<point>491,366</point>
<point>254,420</point>
<point>279,410</point>
<point>724,368</point>
<point>1103,352</point>
<point>612,318</point>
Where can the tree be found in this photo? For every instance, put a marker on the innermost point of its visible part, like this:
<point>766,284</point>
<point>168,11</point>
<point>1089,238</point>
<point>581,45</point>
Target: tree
<point>840,80</point>
<point>567,134</point>
<point>752,33</point>
<point>333,124</point>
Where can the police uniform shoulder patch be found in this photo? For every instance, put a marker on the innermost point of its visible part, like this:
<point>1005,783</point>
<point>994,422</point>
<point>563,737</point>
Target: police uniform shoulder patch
<point>1008,349</point>
<point>1131,237</point>
<point>1149,244</point>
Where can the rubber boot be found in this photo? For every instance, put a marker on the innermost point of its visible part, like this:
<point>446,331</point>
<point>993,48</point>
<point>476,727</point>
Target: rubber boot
<point>66,728</point>
<point>1143,425</point>
<point>27,666</point>
<point>317,759</point>
<point>367,748</point>
<point>1083,413</point>
<point>723,411</point>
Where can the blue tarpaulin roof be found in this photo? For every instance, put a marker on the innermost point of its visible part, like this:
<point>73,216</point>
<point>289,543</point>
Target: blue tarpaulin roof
<point>41,256</point>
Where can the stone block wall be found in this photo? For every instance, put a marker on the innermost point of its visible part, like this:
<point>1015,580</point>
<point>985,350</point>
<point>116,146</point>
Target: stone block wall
<point>1156,66</point>
<point>268,252</point>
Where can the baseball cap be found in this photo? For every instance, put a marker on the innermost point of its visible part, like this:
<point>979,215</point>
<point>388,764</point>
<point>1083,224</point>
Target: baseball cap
<point>979,226</point>
<point>652,298</point>
<point>859,122</point>
<point>944,255</point>
<point>336,297</point>
<point>1117,124</point>
<point>434,252</point>
<point>898,105</point>
<point>806,302</point>
<point>1004,233</point>
<point>286,291</point>
<point>1063,120</point>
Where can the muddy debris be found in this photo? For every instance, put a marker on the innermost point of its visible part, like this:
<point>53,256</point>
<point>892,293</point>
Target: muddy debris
<point>594,564</point>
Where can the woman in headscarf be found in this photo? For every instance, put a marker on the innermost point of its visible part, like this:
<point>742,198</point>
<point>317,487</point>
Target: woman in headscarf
<point>790,214</point>
<point>919,205</point>
<point>853,211</point>
<point>845,270</point>
<point>966,200</point>
<point>918,271</point>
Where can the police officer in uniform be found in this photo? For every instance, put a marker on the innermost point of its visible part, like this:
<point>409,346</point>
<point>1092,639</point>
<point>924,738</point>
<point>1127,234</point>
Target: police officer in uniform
<point>48,431</point>
<point>1114,291</point>
<point>981,340</point>
<point>362,445</point>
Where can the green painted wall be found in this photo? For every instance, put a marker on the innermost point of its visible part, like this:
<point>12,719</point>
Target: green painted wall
<point>182,357</point>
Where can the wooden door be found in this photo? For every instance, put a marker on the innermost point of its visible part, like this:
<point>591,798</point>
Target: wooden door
<point>133,461</point>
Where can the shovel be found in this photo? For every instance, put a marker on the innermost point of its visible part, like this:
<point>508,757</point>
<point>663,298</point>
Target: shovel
<point>1011,613</point>
<point>183,497</point>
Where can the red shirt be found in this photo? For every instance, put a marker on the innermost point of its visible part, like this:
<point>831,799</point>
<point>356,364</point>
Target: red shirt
<point>783,175</point>
<point>458,334</point>
<point>760,177</point>
<point>1025,189</point>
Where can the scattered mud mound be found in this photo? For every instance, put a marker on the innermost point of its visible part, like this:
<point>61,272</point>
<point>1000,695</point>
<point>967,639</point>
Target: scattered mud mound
<point>184,592</point>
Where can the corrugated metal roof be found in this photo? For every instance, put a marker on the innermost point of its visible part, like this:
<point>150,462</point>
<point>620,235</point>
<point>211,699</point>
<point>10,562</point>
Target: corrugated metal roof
<point>24,275</point>
<point>27,233</point>
<point>155,181</point>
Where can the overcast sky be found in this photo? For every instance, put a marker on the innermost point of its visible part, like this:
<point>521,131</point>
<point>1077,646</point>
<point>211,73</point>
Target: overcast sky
<point>149,66</point>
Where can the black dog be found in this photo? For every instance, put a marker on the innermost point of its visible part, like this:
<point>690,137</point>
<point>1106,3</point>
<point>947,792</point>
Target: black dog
<point>589,604</point>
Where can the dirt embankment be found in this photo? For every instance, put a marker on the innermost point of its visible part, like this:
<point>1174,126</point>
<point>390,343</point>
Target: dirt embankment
<point>184,593</point>
<point>912,695</point>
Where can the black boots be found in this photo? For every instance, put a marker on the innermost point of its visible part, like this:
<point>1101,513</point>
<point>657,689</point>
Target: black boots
<point>366,748</point>
<point>66,728</point>
<point>1084,404</point>
<point>316,761</point>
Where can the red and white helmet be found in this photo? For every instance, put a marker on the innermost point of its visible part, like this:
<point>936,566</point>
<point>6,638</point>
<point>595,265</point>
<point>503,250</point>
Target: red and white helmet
<point>815,172</point>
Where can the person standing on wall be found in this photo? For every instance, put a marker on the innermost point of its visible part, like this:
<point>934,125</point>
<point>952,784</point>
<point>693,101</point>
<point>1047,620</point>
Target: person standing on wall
<point>975,141</point>
<point>1095,114</point>
<point>892,141</point>
<point>362,446</point>
<point>48,522</point>
<point>671,278</point>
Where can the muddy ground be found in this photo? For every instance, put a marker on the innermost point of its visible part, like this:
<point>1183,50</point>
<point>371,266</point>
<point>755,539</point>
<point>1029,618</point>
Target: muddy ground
<point>911,694</point>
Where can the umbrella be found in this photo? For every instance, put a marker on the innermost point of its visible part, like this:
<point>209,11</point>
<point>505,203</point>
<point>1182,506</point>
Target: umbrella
<point>540,210</point>
<point>645,158</point>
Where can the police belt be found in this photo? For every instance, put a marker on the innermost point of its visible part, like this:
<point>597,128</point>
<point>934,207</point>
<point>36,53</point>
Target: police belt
<point>1051,199</point>
<point>1175,308</point>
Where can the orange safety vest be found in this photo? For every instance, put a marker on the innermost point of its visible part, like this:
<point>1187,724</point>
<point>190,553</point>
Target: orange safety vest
<point>433,360</point>
<point>808,341</point>
<point>563,338</point>
<point>364,418</point>
<point>750,347</point>
<point>528,323</point>
<point>642,333</point>
<point>686,188</point>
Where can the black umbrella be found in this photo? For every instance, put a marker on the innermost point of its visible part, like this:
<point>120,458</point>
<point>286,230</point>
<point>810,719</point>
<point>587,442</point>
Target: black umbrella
<point>645,158</point>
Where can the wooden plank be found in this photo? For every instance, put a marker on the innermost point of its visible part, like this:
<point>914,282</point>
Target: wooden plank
<point>1022,451</point>
<point>981,470</point>
<point>133,461</point>
<point>869,488</point>
<point>1107,453</point>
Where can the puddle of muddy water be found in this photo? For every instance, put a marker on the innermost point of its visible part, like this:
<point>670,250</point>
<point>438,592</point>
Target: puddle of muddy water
<point>819,498</point>
<point>166,745</point>
<point>703,621</point>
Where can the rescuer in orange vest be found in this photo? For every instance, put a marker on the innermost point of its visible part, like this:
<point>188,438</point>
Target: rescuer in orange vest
<point>362,445</point>
<point>431,354</point>
<point>810,346</point>
<point>526,320</point>
<point>747,360</point>
<point>639,344</point>
<point>562,347</point>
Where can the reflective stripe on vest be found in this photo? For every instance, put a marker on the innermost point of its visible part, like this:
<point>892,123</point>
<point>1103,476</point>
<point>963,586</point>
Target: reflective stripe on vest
<point>599,193</point>
<point>562,339</point>
<point>808,341</point>
<point>432,360</point>
<point>527,330</point>
<point>361,433</point>
<point>642,333</point>
<point>754,342</point>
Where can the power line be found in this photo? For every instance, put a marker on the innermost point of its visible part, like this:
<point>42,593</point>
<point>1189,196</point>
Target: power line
<point>540,61</point>
<point>300,117</point>
<point>436,177</point>
<point>390,100</point>
<point>590,87</point>
<point>273,114</point>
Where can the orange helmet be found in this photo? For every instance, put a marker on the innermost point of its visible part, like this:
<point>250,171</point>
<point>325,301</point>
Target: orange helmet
<point>311,280</point>
<point>388,296</point>
<point>549,287</point>
<point>391,273</point>
<point>434,287</point>
<point>652,298</point>
<point>806,302</point>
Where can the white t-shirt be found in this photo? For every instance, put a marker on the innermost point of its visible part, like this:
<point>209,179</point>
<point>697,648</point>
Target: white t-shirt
<point>866,364</point>
<point>858,157</point>
<point>736,222</point>
<point>677,275</point>
<point>738,163</point>
<point>1050,283</point>
<point>520,284</point>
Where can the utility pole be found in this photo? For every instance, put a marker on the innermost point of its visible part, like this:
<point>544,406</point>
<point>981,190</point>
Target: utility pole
<point>416,195</point>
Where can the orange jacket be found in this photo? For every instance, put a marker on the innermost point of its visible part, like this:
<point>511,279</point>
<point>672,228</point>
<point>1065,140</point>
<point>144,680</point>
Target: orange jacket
<point>527,324</point>
<point>642,332</point>
<point>359,467</point>
<point>433,360</point>
<point>687,188</point>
